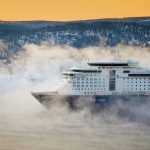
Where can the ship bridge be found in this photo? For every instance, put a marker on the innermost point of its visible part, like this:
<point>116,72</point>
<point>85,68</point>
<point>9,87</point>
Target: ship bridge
<point>79,72</point>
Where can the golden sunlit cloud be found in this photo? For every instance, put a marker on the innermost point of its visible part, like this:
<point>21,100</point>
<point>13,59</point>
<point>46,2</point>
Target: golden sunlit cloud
<point>64,10</point>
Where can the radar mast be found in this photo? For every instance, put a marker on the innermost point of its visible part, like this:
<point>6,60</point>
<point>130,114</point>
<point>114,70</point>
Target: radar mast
<point>116,54</point>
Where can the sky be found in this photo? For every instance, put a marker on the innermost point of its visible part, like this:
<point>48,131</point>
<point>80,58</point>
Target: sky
<point>65,10</point>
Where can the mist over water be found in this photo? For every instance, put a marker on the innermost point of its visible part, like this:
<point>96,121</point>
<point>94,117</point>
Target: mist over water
<point>26,124</point>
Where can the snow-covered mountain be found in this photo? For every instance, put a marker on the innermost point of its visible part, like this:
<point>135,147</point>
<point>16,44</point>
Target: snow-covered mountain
<point>79,34</point>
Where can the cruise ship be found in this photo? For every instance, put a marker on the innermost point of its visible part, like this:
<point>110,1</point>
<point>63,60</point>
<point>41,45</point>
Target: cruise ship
<point>100,82</point>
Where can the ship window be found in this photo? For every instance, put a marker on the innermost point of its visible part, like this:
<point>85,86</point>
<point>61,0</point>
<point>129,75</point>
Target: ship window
<point>126,71</point>
<point>87,71</point>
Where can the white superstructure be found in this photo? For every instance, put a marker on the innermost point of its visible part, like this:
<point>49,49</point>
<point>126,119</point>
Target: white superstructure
<point>116,77</point>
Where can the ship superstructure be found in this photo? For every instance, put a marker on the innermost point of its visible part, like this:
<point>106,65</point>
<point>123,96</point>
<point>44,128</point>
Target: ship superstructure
<point>107,78</point>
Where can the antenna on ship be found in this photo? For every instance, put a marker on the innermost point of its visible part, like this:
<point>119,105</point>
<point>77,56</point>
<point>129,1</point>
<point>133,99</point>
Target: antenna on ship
<point>116,54</point>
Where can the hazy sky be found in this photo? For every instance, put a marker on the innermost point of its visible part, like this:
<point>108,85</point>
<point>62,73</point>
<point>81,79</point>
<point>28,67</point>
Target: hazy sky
<point>71,9</point>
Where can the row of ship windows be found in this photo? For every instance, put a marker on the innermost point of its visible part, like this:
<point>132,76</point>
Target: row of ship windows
<point>90,89</point>
<point>87,75</point>
<point>82,79</point>
<point>103,89</point>
<point>136,89</point>
<point>102,82</point>
<point>87,81</point>
<point>137,85</point>
<point>94,75</point>
<point>88,85</point>
<point>104,86</point>
<point>137,82</point>
<point>105,76</point>
<point>136,78</point>
<point>124,79</point>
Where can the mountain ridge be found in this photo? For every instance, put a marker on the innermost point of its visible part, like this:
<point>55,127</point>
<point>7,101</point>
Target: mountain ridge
<point>79,34</point>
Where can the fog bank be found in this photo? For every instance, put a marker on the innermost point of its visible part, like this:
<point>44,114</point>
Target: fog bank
<point>26,124</point>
